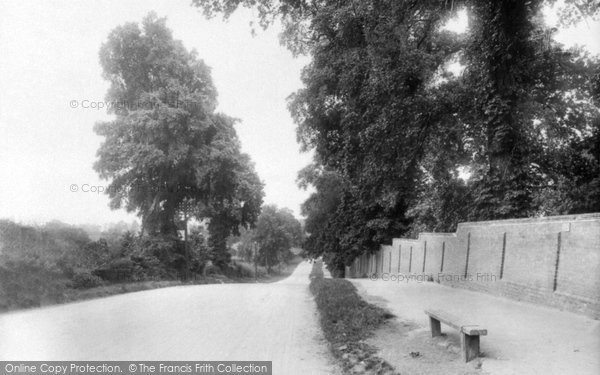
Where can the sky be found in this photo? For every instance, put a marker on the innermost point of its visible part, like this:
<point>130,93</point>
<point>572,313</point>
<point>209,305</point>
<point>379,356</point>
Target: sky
<point>49,71</point>
<point>49,57</point>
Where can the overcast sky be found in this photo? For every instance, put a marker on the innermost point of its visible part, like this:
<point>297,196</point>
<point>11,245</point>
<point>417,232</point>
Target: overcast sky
<point>49,58</point>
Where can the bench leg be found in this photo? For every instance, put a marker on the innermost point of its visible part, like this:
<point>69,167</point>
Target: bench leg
<point>469,346</point>
<point>436,329</point>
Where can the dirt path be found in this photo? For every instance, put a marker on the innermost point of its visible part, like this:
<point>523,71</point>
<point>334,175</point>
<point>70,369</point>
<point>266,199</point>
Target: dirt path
<point>273,322</point>
<point>522,338</point>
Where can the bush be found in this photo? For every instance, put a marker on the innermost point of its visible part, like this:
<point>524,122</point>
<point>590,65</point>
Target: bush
<point>211,269</point>
<point>149,267</point>
<point>118,270</point>
<point>29,283</point>
<point>317,270</point>
<point>85,280</point>
<point>238,270</point>
<point>245,270</point>
<point>170,251</point>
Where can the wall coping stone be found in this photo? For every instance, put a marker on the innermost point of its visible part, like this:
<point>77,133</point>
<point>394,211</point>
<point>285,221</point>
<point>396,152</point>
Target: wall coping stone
<point>541,220</point>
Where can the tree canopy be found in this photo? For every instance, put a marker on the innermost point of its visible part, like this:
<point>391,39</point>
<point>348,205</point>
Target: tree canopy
<point>167,153</point>
<point>275,233</point>
<point>414,146</point>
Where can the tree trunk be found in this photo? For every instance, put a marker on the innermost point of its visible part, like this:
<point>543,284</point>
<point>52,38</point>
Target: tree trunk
<point>503,29</point>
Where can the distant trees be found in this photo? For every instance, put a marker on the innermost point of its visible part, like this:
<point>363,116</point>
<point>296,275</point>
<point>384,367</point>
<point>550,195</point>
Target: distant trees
<point>276,232</point>
<point>410,145</point>
<point>326,226</point>
<point>244,245</point>
<point>168,155</point>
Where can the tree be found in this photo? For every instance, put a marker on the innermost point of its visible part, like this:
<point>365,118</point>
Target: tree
<point>276,232</point>
<point>322,210</point>
<point>531,99</point>
<point>501,52</point>
<point>244,244</point>
<point>167,149</point>
<point>371,108</point>
<point>395,128</point>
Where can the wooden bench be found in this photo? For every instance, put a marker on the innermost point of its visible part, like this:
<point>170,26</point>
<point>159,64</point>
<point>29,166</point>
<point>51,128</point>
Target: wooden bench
<point>469,333</point>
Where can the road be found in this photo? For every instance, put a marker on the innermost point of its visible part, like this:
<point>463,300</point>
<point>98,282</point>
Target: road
<point>272,322</point>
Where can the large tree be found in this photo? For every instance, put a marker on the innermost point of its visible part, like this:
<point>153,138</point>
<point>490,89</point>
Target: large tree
<point>372,108</point>
<point>400,131</point>
<point>167,153</point>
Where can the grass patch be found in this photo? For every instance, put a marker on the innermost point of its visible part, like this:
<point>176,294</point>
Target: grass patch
<point>347,320</point>
<point>22,295</point>
<point>73,295</point>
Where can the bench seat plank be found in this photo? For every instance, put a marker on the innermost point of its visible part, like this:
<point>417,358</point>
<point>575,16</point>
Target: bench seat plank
<point>456,322</point>
<point>473,330</point>
<point>446,318</point>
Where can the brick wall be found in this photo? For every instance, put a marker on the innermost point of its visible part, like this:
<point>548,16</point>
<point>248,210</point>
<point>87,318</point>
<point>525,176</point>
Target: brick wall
<point>553,261</point>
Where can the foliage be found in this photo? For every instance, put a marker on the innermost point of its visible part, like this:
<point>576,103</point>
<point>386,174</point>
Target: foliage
<point>371,109</point>
<point>29,282</point>
<point>320,211</point>
<point>198,252</point>
<point>244,244</point>
<point>46,264</point>
<point>276,232</point>
<point>403,144</point>
<point>167,153</point>
<point>85,280</point>
<point>533,99</point>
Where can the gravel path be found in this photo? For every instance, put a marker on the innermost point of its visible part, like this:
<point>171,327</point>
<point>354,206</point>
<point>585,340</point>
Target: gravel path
<point>522,338</point>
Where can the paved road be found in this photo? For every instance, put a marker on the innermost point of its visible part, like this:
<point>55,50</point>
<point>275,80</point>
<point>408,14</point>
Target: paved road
<point>274,322</point>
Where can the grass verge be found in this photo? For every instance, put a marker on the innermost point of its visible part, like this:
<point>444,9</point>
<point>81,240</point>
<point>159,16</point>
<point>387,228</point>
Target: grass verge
<point>69,294</point>
<point>347,320</point>
<point>73,295</point>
